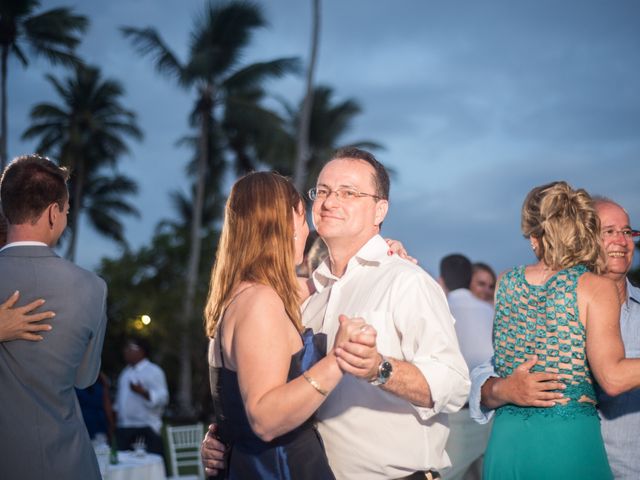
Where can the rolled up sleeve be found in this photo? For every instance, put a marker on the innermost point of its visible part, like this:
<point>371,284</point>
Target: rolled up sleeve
<point>479,375</point>
<point>156,384</point>
<point>428,341</point>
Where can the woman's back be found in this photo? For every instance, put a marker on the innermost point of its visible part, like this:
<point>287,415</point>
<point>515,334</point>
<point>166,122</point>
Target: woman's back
<point>563,441</point>
<point>544,320</point>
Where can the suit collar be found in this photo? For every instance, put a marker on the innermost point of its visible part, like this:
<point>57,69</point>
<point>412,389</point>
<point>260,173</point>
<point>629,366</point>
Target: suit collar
<point>28,251</point>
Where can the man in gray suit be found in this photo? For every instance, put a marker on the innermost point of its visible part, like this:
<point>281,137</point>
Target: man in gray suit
<point>42,434</point>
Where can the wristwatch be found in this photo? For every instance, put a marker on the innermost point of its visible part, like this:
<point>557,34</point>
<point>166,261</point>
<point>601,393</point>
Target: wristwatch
<point>385,370</point>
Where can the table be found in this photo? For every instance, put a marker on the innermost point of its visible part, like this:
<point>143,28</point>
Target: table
<point>133,467</point>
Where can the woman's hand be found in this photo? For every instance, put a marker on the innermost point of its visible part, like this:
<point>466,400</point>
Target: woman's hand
<point>19,323</point>
<point>355,348</point>
<point>212,453</point>
<point>396,247</point>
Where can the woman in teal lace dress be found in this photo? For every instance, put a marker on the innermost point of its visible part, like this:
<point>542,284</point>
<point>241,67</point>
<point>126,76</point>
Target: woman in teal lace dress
<point>561,310</point>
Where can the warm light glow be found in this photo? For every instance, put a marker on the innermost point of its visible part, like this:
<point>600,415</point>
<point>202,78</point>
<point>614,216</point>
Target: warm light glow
<point>146,319</point>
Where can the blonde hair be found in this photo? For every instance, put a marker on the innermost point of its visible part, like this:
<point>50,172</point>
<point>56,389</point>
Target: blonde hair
<point>256,244</point>
<point>566,225</point>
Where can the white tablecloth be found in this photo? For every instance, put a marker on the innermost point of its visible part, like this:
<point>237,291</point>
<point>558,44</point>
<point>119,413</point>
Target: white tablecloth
<point>132,467</point>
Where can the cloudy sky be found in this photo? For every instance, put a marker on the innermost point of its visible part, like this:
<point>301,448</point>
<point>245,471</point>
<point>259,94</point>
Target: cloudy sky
<point>475,103</point>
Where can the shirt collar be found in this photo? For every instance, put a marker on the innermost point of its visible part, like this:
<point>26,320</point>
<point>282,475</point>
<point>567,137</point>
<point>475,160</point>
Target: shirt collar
<point>141,364</point>
<point>371,253</point>
<point>460,293</point>
<point>24,244</point>
<point>633,293</point>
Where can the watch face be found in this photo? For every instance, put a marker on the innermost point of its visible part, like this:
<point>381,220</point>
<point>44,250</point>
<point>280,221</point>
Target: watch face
<point>385,370</point>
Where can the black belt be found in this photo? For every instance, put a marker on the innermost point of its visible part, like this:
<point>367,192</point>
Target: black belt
<point>428,475</point>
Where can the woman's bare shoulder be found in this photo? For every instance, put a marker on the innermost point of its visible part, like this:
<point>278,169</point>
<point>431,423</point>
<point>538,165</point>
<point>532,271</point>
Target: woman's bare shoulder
<point>257,302</point>
<point>594,286</point>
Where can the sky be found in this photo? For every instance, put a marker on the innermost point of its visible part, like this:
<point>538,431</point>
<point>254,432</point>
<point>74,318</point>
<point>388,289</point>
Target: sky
<point>475,103</point>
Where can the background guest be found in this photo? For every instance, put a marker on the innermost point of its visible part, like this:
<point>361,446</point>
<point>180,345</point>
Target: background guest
<point>141,398</point>
<point>483,282</point>
<point>97,411</point>
<point>474,321</point>
<point>560,318</point>
<point>620,415</point>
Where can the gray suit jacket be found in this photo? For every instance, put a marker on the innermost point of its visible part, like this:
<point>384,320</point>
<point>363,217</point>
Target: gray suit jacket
<point>42,433</point>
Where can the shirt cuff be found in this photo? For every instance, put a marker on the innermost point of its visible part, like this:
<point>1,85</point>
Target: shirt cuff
<point>449,389</point>
<point>477,411</point>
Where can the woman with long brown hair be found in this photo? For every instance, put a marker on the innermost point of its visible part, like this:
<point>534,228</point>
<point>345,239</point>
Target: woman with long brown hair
<point>562,314</point>
<point>268,374</point>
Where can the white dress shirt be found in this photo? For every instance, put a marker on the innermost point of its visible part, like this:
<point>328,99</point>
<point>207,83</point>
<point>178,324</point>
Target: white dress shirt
<point>133,409</point>
<point>474,326</point>
<point>370,433</point>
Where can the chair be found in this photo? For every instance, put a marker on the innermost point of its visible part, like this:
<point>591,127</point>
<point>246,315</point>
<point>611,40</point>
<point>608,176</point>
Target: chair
<point>184,450</point>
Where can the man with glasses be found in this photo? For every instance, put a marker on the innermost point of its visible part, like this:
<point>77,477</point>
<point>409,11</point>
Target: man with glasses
<point>620,415</point>
<point>386,419</point>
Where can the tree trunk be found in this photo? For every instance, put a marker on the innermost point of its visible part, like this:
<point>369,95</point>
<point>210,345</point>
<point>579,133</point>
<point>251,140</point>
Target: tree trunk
<point>3,128</point>
<point>76,207</point>
<point>302,156</point>
<point>185,399</point>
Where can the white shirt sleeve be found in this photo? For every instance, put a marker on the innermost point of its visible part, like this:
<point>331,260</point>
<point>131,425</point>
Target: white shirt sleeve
<point>156,384</point>
<point>479,375</point>
<point>428,340</point>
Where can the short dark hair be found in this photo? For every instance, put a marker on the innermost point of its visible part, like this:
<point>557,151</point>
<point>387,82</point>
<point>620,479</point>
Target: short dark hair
<point>3,229</point>
<point>141,342</point>
<point>29,184</point>
<point>455,271</point>
<point>380,176</point>
<point>483,266</point>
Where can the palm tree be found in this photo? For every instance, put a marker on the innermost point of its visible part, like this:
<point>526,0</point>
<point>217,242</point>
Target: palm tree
<point>53,33</point>
<point>104,203</point>
<point>329,122</point>
<point>250,130</point>
<point>219,38</point>
<point>85,132</point>
<point>303,152</point>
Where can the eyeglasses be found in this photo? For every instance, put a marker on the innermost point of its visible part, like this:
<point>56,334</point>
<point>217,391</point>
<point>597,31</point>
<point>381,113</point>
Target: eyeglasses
<point>627,233</point>
<point>342,194</point>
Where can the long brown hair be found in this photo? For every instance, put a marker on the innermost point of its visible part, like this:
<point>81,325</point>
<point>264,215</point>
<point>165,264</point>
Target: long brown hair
<point>566,225</point>
<point>256,244</point>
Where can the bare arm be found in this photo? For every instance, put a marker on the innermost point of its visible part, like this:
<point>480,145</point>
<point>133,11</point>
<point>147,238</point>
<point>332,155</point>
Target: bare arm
<point>19,323</point>
<point>263,340</point>
<point>605,350</point>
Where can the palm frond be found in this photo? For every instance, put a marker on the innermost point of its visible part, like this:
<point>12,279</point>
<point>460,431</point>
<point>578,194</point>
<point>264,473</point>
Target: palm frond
<point>147,41</point>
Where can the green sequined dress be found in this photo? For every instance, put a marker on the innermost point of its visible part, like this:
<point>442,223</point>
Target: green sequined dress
<point>563,441</point>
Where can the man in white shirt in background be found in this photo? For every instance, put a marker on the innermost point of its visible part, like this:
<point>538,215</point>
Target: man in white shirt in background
<point>141,399</point>
<point>474,324</point>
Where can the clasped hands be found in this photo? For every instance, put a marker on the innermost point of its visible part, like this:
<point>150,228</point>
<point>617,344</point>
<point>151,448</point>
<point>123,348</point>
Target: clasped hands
<point>355,348</point>
<point>356,353</point>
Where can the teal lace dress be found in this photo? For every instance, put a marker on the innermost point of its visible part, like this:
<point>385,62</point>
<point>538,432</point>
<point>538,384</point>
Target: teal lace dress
<point>563,441</point>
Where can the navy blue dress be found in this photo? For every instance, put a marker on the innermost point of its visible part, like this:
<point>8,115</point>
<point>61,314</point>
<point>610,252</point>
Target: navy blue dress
<point>298,454</point>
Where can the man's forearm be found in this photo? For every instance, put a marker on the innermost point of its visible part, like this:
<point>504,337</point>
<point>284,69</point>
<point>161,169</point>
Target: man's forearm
<point>408,382</point>
<point>491,396</point>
